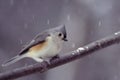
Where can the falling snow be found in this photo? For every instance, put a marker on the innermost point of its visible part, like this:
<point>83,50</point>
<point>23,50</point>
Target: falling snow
<point>25,25</point>
<point>33,17</point>
<point>24,1</point>
<point>68,17</point>
<point>48,21</point>
<point>115,77</point>
<point>99,23</point>
<point>73,45</point>
<point>11,2</point>
<point>21,41</point>
<point>66,1</point>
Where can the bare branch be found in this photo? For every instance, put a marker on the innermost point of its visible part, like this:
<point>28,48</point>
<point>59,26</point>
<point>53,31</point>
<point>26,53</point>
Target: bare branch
<point>79,53</point>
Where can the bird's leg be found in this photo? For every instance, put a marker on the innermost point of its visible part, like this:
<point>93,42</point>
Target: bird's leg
<point>54,57</point>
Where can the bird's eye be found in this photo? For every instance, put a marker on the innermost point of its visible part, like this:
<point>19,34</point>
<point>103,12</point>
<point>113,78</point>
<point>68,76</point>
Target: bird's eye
<point>60,34</point>
<point>48,34</point>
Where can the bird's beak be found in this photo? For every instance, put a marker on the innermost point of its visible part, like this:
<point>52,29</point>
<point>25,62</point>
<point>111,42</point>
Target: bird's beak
<point>65,39</point>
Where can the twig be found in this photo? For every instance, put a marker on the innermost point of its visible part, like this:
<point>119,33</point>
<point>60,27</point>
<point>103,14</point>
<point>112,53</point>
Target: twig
<point>78,53</point>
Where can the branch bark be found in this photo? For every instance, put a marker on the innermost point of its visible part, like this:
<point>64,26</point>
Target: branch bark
<point>74,55</point>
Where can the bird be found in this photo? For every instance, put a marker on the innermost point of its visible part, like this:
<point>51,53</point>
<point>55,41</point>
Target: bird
<point>46,44</point>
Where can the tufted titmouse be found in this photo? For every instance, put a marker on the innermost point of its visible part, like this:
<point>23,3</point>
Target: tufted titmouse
<point>45,45</point>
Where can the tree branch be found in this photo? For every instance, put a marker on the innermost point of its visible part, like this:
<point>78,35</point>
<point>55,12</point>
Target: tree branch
<point>78,53</point>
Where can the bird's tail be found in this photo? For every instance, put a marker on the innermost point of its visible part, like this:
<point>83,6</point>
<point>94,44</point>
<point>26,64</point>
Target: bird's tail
<point>12,60</point>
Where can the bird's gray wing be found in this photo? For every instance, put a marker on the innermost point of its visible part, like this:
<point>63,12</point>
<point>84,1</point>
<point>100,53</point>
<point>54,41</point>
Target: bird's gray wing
<point>38,39</point>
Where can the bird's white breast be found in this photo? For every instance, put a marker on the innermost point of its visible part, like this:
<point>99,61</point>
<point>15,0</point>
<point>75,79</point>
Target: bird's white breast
<point>51,48</point>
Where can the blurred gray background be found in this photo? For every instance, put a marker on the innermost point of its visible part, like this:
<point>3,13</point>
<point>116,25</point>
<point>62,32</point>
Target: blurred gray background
<point>85,20</point>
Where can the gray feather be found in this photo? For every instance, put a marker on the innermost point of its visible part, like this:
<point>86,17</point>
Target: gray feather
<point>38,39</point>
<point>12,60</point>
